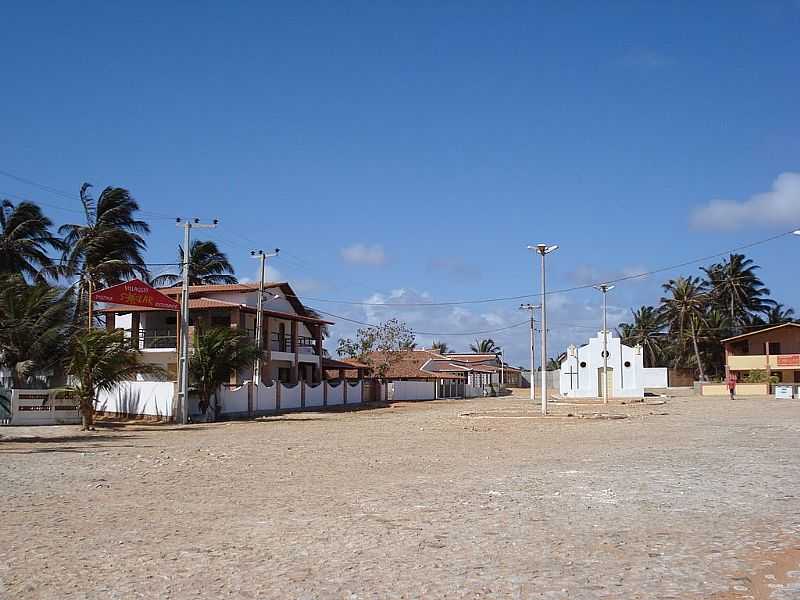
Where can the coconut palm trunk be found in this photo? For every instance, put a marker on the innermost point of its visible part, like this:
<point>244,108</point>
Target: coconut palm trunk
<point>697,352</point>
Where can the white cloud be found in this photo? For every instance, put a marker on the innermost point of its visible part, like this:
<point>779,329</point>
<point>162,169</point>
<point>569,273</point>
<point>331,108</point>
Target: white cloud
<point>362,254</point>
<point>779,206</point>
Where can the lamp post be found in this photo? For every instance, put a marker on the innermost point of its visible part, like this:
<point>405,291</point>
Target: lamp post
<point>604,288</point>
<point>262,259</point>
<point>532,308</point>
<point>543,250</point>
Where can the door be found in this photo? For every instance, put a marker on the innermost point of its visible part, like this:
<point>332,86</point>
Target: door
<point>609,377</point>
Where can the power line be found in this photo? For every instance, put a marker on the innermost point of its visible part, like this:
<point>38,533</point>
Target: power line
<point>372,325</point>
<point>557,291</point>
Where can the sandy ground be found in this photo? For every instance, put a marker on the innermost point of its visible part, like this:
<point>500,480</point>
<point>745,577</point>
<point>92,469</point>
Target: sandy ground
<point>695,498</point>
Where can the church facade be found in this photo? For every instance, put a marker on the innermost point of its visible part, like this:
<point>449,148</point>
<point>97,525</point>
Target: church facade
<point>581,373</point>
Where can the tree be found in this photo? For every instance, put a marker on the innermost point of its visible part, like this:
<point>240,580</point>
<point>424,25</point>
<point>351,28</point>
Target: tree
<point>108,248</point>
<point>486,346</point>
<point>34,328</point>
<point>440,347</point>
<point>379,346</point>
<point>100,360</point>
<point>207,266</point>
<point>217,353</point>
<point>647,331</point>
<point>779,314</point>
<point>684,309</point>
<point>25,240</point>
<point>734,287</point>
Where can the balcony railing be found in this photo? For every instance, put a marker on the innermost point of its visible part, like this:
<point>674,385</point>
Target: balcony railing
<point>153,339</point>
<point>283,343</point>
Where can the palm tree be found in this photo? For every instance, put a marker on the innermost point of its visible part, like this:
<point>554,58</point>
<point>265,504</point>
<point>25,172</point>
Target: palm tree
<point>440,347</point>
<point>34,328</point>
<point>486,346</point>
<point>647,331</point>
<point>207,266</point>
<point>779,314</point>
<point>217,353</point>
<point>108,248</point>
<point>735,287</point>
<point>684,309</point>
<point>25,239</point>
<point>100,360</point>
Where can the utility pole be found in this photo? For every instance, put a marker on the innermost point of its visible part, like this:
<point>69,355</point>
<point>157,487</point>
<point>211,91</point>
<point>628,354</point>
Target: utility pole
<point>502,369</point>
<point>544,250</point>
<point>262,258</point>
<point>532,308</point>
<point>183,362</point>
<point>604,288</point>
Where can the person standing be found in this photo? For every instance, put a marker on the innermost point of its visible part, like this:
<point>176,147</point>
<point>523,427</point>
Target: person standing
<point>732,384</point>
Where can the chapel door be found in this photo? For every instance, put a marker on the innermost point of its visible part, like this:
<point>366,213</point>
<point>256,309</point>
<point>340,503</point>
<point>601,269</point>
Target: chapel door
<point>609,377</point>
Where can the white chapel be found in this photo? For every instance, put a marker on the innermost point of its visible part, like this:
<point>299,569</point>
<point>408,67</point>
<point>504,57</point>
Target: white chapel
<point>582,370</point>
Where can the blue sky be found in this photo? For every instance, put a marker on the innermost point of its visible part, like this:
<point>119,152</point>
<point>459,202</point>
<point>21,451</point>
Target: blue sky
<point>408,152</point>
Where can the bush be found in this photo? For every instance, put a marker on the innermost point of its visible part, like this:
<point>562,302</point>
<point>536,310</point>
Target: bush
<point>759,376</point>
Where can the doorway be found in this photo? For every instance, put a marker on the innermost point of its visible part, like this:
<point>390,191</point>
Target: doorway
<point>609,377</point>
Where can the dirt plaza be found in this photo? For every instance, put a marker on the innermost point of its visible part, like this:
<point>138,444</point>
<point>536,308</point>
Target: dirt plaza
<point>687,498</point>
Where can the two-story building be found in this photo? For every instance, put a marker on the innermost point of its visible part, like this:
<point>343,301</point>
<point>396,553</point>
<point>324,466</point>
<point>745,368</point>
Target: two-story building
<point>775,350</point>
<point>292,335</point>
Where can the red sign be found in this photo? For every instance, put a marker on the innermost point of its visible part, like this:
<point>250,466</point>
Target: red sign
<point>135,293</point>
<point>788,360</point>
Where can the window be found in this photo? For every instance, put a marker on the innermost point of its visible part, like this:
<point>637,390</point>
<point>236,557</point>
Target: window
<point>583,364</point>
<point>773,348</point>
<point>627,363</point>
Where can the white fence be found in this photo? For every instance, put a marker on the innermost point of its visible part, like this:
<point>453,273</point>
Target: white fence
<point>291,396</point>
<point>315,395</point>
<point>654,377</point>
<point>399,391</point>
<point>43,407</point>
<point>335,393</point>
<point>139,398</point>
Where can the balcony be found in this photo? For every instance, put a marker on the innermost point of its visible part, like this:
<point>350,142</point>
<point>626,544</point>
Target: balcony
<point>155,339</point>
<point>283,343</point>
<point>754,362</point>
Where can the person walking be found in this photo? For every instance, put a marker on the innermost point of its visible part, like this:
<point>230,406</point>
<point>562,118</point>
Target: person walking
<point>732,384</point>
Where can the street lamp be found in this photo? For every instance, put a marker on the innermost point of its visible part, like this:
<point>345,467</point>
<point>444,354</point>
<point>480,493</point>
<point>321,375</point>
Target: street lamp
<point>543,250</point>
<point>532,308</point>
<point>604,288</point>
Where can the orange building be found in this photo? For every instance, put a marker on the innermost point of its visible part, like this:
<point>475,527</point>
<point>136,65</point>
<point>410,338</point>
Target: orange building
<point>775,350</point>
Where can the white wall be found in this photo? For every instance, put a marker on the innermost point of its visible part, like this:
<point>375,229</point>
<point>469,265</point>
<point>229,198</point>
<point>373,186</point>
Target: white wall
<point>43,407</point>
<point>315,395</point>
<point>471,391</point>
<point>400,391</point>
<point>152,398</point>
<point>233,399</point>
<point>264,397</point>
<point>290,396</point>
<point>654,377</point>
<point>353,393</point>
<point>335,394</point>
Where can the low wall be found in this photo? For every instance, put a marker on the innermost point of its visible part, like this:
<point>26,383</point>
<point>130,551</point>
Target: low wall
<point>290,396</point>
<point>742,389</point>
<point>234,399</point>
<point>353,393</point>
<point>400,391</point>
<point>315,395</point>
<point>43,407</point>
<point>335,393</point>
<point>264,397</point>
<point>138,398</point>
<point>654,377</point>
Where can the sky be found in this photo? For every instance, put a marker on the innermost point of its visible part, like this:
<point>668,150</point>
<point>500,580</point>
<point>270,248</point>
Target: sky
<point>407,153</point>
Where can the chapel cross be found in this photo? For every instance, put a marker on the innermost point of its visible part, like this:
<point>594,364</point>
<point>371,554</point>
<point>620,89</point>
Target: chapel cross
<point>572,372</point>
